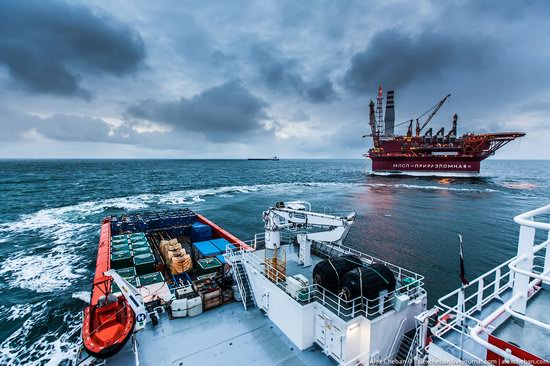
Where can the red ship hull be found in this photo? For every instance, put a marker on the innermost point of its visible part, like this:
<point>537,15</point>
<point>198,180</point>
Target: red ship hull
<point>426,165</point>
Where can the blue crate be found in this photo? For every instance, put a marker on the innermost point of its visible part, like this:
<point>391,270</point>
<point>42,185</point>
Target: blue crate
<point>206,249</point>
<point>222,244</point>
<point>200,232</point>
<point>221,259</point>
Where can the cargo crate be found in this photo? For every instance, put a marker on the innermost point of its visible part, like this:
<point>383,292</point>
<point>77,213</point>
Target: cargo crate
<point>120,247</point>
<point>144,263</point>
<point>116,290</point>
<point>141,250</point>
<point>140,244</point>
<point>128,272</point>
<point>200,232</point>
<point>118,239</point>
<point>150,278</point>
<point>121,259</point>
<point>208,265</point>
<point>205,249</point>
<point>222,244</point>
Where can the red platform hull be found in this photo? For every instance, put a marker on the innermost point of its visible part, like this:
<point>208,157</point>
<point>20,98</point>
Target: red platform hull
<point>425,165</point>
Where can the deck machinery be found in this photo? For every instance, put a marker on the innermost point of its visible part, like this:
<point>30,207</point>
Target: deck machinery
<point>350,331</point>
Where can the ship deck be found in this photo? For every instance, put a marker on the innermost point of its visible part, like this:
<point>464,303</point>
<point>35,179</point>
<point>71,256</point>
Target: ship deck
<point>293,267</point>
<point>527,336</point>
<point>226,335</point>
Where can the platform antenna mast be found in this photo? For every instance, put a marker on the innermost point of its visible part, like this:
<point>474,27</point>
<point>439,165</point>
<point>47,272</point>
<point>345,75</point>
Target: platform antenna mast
<point>379,114</point>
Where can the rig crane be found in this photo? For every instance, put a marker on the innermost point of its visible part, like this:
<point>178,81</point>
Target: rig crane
<point>435,109</point>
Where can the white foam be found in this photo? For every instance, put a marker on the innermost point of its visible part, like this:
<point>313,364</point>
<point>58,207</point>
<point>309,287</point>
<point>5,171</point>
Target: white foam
<point>54,347</point>
<point>48,272</point>
<point>441,188</point>
<point>82,295</point>
<point>18,311</point>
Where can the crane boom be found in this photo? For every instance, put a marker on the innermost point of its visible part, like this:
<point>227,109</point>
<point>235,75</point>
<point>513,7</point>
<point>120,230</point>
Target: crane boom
<point>298,214</point>
<point>133,297</point>
<point>439,105</point>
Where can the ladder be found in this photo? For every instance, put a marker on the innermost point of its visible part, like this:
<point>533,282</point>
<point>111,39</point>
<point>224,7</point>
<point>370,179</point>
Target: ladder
<point>244,285</point>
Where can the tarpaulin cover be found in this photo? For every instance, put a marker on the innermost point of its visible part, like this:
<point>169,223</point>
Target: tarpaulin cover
<point>200,232</point>
<point>222,243</point>
<point>221,258</point>
<point>206,249</point>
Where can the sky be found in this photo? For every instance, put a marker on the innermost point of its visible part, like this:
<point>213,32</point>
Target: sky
<point>237,79</point>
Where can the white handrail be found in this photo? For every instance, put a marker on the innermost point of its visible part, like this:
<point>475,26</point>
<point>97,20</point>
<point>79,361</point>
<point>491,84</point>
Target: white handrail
<point>414,342</point>
<point>513,264</point>
<point>238,277</point>
<point>526,218</point>
<point>397,336</point>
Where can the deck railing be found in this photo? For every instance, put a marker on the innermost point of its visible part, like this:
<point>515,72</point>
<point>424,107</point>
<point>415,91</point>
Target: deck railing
<point>519,277</point>
<point>346,309</point>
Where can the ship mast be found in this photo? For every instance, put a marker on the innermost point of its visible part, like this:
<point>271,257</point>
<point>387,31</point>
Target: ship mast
<point>379,114</point>
<point>372,122</point>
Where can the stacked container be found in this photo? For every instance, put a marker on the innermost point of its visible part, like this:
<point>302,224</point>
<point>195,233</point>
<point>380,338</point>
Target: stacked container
<point>132,256</point>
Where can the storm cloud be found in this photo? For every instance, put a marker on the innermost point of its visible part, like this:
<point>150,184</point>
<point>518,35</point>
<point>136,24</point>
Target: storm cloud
<point>217,79</point>
<point>283,74</point>
<point>395,59</point>
<point>51,47</point>
<point>223,113</point>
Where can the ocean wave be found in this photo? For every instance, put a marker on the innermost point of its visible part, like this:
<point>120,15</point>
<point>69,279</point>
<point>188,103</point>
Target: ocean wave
<point>16,311</point>
<point>56,346</point>
<point>430,188</point>
<point>46,272</point>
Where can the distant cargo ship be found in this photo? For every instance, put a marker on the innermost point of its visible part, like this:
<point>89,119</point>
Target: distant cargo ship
<point>424,153</point>
<point>273,158</point>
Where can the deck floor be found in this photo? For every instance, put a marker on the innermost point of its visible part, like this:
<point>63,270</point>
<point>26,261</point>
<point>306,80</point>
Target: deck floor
<point>528,336</point>
<point>226,335</point>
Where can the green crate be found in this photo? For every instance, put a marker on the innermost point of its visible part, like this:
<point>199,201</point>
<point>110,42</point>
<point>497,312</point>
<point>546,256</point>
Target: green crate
<point>128,272</point>
<point>140,245</point>
<point>144,263</point>
<point>140,241</point>
<point>119,247</point>
<point>150,278</point>
<point>121,259</point>
<point>208,265</point>
<point>115,289</point>
<point>135,236</point>
<point>119,239</point>
<point>141,250</point>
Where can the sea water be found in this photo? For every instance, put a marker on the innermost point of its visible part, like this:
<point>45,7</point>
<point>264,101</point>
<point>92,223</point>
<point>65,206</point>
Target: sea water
<point>52,210</point>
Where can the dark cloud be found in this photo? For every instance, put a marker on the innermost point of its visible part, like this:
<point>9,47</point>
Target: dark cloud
<point>282,74</point>
<point>225,113</point>
<point>320,92</point>
<point>396,59</point>
<point>63,127</point>
<point>48,46</point>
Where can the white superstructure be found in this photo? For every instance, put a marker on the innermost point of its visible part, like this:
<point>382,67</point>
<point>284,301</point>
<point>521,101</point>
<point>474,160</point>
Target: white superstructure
<point>501,316</point>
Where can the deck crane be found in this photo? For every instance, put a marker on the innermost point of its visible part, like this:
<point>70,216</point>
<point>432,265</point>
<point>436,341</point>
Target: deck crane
<point>435,109</point>
<point>298,215</point>
<point>133,297</point>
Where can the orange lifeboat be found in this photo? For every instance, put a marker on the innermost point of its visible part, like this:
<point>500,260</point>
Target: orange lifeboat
<point>107,325</point>
<point>108,321</point>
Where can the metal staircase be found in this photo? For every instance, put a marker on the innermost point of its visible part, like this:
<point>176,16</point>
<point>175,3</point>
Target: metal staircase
<point>244,285</point>
<point>405,352</point>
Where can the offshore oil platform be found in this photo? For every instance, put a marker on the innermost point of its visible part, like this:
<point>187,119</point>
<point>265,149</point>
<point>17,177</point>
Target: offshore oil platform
<point>423,152</point>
